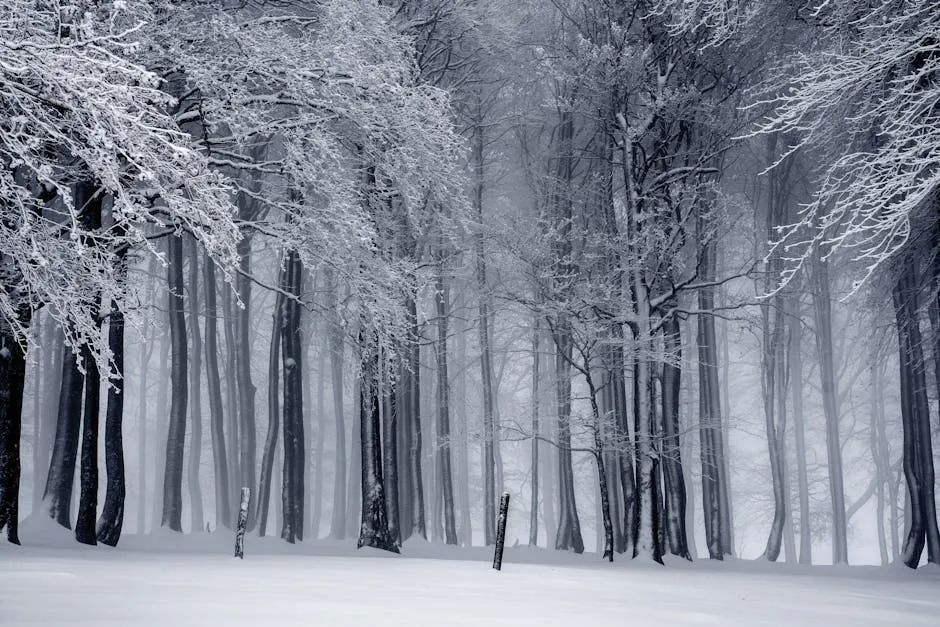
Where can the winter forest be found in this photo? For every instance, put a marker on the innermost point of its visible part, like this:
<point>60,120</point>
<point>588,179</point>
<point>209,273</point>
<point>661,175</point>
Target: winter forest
<point>666,272</point>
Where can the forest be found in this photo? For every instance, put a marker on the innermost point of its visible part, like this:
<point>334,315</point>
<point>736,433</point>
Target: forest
<point>664,271</point>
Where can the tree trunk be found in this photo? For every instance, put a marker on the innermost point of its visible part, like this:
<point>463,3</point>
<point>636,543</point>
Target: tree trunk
<point>160,430</point>
<point>354,475</point>
<point>442,301</point>
<point>917,451</point>
<point>12,383</point>
<point>827,373</point>
<point>233,448</point>
<point>223,508</point>
<point>462,482</point>
<point>335,347</point>
<point>274,412</point>
<point>195,394</point>
<point>142,395</point>
<point>317,506</point>
<point>796,386</point>
<point>88,471</point>
<point>246,388</point>
<point>486,362</point>
<point>373,529</point>
<point>112,515</point>
<point>672,457</point>
<point>569,526</point>
<point>534,457</point>
<point>293,477</point>
<point>774,391</point>
<point>415,445</point>
<point>176,434</point>
<point>58,492</point>
<point>390,455</point>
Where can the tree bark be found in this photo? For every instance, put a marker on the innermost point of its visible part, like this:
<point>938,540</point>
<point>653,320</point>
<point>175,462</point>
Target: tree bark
<point>373,529</point>
<point>335,347</point>
<point>12,383</point>
<point>195,393</point>
<point>223,508</point>
<point>293,476</point>
<point>827,373</point>
<point>111,520</point>
<point>176,433</point>
<point>486,362</point>
<point>796,387</point>
<point>917,449</point>
<point>88,470</point>
<point>442,301</point>
<point>58,492</point>
<point>274,412</point>
<point>674,481</point>
<point>534,457</point>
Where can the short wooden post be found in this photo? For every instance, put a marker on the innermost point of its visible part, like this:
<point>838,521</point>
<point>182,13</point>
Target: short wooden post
<point>242,524</point>
<point>501,531</point>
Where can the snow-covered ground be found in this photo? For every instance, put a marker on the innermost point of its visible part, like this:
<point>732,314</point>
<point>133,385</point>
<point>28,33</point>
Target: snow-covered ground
<point>192,580</point>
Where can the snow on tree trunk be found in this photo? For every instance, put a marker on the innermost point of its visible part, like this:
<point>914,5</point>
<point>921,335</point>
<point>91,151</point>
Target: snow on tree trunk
<point>501,531</point>
<point>242,524</point>
<point>373,528</point>
<point>673,477</point>
<point>293,476</point>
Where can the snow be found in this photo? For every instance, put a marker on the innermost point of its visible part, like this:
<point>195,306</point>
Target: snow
<point>169,579</point>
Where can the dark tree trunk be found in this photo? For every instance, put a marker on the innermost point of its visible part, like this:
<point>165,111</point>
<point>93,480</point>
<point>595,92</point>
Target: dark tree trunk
<point>58,492</point>
<point>917,449</point>
<point>223,508</point>
<point>112,515</point>
<point>12,382</point>
<point>176,433</point>
<point>390,457</point>
<point>88,471</point>
<point>673,477</point>
<point>715,487</point>
<point>373,529</point>
<point>292,484</point>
